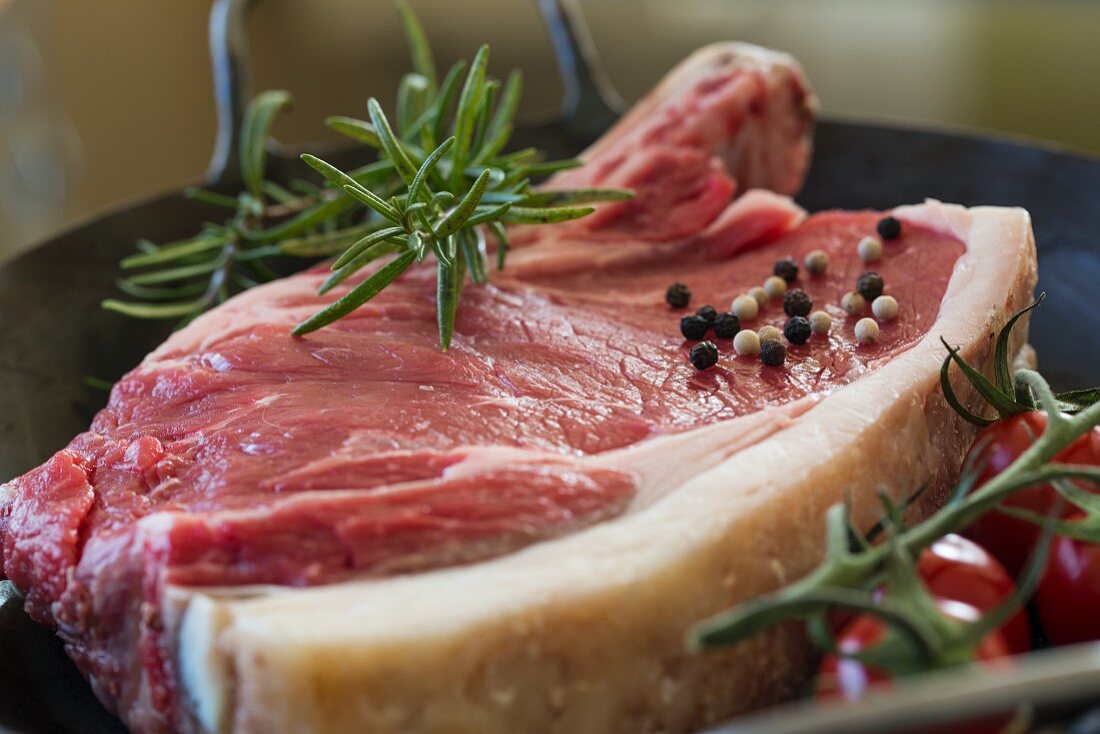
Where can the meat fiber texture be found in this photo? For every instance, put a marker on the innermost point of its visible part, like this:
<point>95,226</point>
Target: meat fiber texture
<point>353,531</point>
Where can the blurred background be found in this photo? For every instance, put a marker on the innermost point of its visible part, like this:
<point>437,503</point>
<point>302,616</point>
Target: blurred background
<point>105,101</point>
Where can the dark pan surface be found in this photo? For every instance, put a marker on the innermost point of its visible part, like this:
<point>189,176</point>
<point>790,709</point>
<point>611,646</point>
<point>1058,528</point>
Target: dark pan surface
<point>53,334</point>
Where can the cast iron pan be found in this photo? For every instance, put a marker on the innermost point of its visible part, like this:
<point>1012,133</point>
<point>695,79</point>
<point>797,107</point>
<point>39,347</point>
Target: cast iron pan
<point>53,333</point>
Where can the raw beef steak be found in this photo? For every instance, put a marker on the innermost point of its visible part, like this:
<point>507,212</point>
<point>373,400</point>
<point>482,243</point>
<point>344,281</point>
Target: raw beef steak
<point>513,535</point>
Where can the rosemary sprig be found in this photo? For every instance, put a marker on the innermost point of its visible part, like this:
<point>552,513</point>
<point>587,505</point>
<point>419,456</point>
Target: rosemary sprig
<point>454,194</point>
<point>441,188</point>
<point>180,280</point>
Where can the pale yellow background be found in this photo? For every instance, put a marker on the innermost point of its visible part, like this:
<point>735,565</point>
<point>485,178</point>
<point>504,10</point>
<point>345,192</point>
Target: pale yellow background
<point>128,80</point>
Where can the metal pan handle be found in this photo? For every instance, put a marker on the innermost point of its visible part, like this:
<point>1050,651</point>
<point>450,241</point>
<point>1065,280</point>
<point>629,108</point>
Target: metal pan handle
<point>229,59</point>
<point>589,106</point>
<point>590,103</point>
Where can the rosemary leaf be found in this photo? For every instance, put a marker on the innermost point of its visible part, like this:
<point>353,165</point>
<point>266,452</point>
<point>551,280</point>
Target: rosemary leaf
<point>520,157</point>
<point>324,243</point>
<point>502,242</point>
<point>487,213</point>
<point>375,202</point>
<point>415,242</point>
<point>545,215</point>
<point>547,167</point>
<point>372,174</point>
<point>304,221</point>
<point>425,170</point>
<point>257,124</point>
<point>481,250</point>
<point>368,254</point>
<point>467,112</point>
<point>423,62</point>
<point>500,128</point>
<point>364,243</point>
<point>390,144</point>
<point>331,173</point>
<point>481,120</point>
<point>154,310</point>
<point>458,216</point>
<point>256,270</point>
<point>417,211</point>
<point>477,273</point>
<point>496,175</point>
<point>175,251</point>
<point>159,294</point>
<point>278,193</point>
<point>210,197</point>
<point>446,301</point>
<point>443,101</point>
<point>257,253</point>
<point>445,250</point>
<point>576,196</point>
<point>172,274</point>
<point>303,187</point>
<point>358,295</point>
<point>412,102</point>
<point>494,144</point>
<point>244,281</point>
<point>355,129</point>
<point>501,197</point>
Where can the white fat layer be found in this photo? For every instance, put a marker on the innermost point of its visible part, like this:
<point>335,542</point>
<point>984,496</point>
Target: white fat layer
<point>204,668</point>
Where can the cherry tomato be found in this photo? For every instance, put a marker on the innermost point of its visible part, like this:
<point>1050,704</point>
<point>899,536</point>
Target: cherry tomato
<point>1069,594</point>
<point>850,679</point>
<point>845,678</point>
<point>959,569</point>
<point>1008,539</point>
<point>956,568</point>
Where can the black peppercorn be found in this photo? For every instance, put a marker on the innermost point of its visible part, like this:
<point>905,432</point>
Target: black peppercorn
<point>889,228</point>
<point>870,285</point>
<point>726,325</point>
<point>708,312</point>
<point>797,330</point>
<point>797,303</point>
<point>773,353</point>
<point>787,269</point>
<point>678,295</point>
<point>704,355</point>
<point>694,327</point>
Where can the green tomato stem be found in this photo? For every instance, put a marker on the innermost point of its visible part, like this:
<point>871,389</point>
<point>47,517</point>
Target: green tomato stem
<point>844,570</point>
